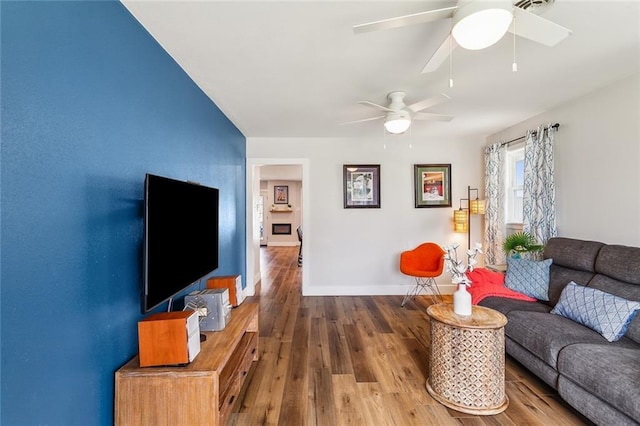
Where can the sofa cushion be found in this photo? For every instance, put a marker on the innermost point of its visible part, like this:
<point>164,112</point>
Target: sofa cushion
<point>607,371</point>
<point>603,312</point>
<point>544,371</point>
<point>545,334</point>
<point>528,277</point>
<point>622,289</point>
<point>504,305</point>
<point>619,262</point>
<point>572,254</point>
<point>560,276</point>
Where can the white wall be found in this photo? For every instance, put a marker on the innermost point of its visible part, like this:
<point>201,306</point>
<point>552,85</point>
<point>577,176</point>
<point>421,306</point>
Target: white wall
<point>276,213</point>
<point>597,162</point>
<point>356,251</point>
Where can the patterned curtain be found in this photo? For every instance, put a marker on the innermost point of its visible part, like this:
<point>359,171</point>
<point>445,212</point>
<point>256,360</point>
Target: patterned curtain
<point>494,225</point>
<point>539,197</point>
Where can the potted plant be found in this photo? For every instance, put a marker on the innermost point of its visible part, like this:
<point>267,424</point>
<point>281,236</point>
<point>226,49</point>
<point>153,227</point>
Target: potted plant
<point>520,242</point>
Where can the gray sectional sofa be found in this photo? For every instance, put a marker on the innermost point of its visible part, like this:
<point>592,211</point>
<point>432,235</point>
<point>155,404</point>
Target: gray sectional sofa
<point>600,379</point>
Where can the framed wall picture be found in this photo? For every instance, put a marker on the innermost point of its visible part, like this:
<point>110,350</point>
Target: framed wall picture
<point>432,185</point>
<point>281,194</point>
<point>361,186</point>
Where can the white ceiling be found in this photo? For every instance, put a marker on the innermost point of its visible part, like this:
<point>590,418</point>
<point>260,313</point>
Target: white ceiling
<point>296,69</point>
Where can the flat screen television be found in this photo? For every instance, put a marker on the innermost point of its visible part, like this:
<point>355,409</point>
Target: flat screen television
<point>180,237</point>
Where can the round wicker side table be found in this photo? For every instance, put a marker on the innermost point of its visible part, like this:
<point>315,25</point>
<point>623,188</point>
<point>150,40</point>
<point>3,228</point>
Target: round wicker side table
<point>466,368</point>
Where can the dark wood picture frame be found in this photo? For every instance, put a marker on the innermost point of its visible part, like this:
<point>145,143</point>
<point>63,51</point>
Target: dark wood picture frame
<point>280,194</point>
<point>432,185</point>
<point>361,186</point>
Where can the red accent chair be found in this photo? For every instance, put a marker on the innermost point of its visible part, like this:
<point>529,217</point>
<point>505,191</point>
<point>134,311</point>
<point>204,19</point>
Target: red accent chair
<point>424,263</point>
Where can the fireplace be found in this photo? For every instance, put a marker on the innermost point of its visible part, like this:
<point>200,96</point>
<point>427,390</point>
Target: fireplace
<point>281,228</point>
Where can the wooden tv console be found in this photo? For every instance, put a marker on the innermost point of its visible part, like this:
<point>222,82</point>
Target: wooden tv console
<point>203,392</point>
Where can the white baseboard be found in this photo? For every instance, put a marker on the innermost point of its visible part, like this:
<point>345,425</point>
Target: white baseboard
<point>283,244</point>
<point>395,290</point>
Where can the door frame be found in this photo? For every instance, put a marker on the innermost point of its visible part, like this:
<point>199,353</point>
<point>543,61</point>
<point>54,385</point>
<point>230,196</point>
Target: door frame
<point>264,241</point>
<point>252,230</point>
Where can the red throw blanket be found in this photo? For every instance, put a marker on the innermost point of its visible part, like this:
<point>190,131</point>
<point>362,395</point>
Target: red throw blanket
<point>486,283</point>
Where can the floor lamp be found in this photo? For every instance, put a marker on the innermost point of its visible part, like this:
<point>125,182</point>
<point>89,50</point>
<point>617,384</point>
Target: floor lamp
<point>461,217</point>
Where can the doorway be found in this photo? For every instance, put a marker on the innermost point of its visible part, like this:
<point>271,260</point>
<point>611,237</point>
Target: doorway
<point>257,199</point>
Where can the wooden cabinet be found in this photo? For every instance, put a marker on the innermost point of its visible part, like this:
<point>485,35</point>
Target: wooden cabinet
<point>201,393</point>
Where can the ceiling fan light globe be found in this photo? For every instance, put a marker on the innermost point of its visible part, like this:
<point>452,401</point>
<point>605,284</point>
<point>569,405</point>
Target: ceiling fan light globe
<point>397,125</point>
<point>479,24</point>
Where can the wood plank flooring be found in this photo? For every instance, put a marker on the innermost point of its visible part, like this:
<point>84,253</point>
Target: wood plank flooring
<point>360,361</point>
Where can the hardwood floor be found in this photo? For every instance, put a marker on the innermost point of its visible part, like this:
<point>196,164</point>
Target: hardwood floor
<point>360,361</point>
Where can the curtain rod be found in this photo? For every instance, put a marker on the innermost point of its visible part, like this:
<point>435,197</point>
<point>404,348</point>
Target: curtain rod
<point>555,126</point>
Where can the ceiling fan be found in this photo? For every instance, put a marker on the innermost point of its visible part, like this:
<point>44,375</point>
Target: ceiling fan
<point>398,115</point>
<point>477,24</point>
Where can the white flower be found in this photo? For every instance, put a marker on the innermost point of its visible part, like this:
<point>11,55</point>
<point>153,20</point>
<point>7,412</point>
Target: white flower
<point>456,267</point>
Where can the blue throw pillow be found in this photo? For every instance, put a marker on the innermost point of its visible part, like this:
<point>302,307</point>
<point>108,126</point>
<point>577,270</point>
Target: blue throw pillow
<point>603,312</point>
<point>528,277</point>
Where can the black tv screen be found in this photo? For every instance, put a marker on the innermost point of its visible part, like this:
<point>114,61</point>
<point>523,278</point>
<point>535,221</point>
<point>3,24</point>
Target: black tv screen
<point>180,237</point>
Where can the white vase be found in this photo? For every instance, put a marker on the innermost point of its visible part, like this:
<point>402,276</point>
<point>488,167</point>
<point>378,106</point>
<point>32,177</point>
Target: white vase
<point>462,301</point>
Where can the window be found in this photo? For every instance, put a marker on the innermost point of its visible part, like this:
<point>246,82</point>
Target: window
<point>514,185</point>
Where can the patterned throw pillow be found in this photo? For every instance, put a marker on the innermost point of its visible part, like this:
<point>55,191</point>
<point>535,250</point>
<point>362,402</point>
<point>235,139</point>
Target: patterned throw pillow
<point>528,277</point>
<point>603,312</point>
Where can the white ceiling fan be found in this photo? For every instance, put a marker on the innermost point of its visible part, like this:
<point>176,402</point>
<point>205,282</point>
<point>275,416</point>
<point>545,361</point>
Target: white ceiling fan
<point>477,24</point>
<point>398,115</point>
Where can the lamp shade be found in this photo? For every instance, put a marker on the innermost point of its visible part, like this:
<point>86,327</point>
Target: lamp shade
<point>480,24</point>
<point>397,122</point>
<point>477,206</point>
<point>460,221</point>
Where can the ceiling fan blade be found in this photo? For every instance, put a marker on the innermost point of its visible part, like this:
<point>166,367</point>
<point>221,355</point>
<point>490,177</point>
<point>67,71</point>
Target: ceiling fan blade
<point>431,117</point>
<point>429,102</point>
<point>403,21</point>
<point>441,55</point>
<point>538,29</point>
<point>371,104</point>
<point>363,120</point>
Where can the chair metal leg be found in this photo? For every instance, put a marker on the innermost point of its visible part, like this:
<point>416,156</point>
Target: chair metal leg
<point>423,284</point>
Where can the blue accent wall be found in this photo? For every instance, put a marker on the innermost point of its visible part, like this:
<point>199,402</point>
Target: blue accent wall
<point>90,103</point>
